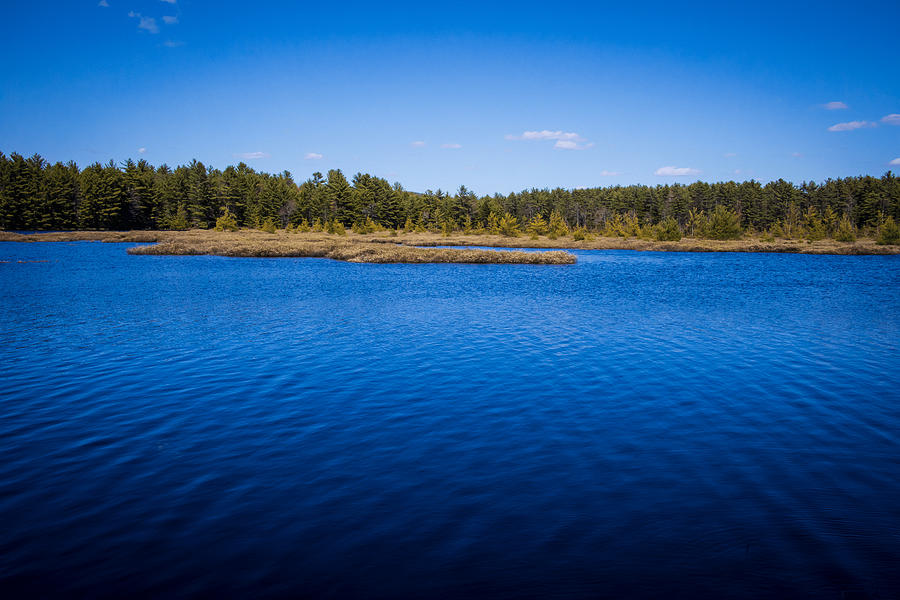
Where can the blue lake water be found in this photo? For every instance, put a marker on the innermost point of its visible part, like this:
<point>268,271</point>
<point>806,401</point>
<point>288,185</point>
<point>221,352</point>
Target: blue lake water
<point>635,425</point>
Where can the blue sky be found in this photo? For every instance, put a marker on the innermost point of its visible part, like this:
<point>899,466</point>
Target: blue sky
<point>496,96</point>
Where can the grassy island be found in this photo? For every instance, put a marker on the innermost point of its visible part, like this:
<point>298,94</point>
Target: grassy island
<point>422,247</point>
<point>252,243</point>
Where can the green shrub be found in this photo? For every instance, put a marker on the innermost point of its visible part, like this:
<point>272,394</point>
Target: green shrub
<point>815,228</point>
<point>537,226</point>
<point>448,226</point>
<point>668,230</point>
<point>888,233</point>
<point>268,225</point>
<point>226,222</point>
<point>557,226</point>
<point>179,221</point>
<point>508,225</point>
<point>723,224</point>
<point>335,227</point>
<point>845,232</point>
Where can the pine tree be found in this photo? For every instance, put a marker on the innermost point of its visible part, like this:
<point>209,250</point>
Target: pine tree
<point>103,197</point>
<point>339,196</point>
<point>139,179</point>
<point>61,189</point>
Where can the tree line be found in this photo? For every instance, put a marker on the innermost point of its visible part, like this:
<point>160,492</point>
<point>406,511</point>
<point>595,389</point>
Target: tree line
<point>38,195</point>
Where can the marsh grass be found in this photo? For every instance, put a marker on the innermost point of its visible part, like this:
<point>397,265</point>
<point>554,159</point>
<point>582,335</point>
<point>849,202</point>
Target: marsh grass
<point>256,243</point>
<point>349,251</point>
<point>414,247</point>
<point>686,244</point>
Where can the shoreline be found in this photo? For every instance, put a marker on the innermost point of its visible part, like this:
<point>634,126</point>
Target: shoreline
<point>420,247</point>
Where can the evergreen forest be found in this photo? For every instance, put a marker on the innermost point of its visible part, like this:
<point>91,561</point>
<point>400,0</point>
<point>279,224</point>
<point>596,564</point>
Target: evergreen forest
<point>37,195</point>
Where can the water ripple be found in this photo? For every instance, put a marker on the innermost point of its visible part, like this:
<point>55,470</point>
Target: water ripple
<point>636,425</point>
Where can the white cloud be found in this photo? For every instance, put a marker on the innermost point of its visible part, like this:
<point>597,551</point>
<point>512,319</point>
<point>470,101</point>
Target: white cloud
<point>730,154</point>
<point>570,145</point>
<point>417,144</point>
<point>546,134</point>
<point>172,44</point>
<point>797,154</point>
<point>170,1</point>
<point>312,156</point>
<point>892,119</point>
<point>851,125</point>
<point>170,20</point>
<point>834,106</point>
<point>142,150</point>
<point>451,146</point>
<point>896,161</point>
<point>605,173</point>
<point>146,23</point>
<point>565,140</point>
<point>252,155</point>
<point>676,171</point>
<point>103,3</point>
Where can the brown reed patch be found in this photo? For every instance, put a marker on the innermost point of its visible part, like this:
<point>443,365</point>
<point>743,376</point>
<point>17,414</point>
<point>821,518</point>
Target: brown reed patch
<point>398,248</point>
<point>350,251</point>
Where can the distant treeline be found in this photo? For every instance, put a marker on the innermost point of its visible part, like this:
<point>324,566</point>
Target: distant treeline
<point>35,194</point>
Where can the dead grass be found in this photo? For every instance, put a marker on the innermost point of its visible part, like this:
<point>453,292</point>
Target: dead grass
<point>252,243</point>
<point>414,247</point>
<point>350,251</point>
<point>750,244</point>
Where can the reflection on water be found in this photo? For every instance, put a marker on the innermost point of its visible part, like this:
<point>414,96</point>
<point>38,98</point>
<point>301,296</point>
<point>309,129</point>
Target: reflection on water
<point>636,425</point>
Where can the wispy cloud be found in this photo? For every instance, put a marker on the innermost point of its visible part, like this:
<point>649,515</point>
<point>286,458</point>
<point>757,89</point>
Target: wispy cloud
<point>730,154</point>
<point>146,23</point>
<point>103,3</point>
<point>170,20</point>
<point>546,134</point>
<point>851,125</point>
<point>172,44</point>
<point>417,144</point>
<point>570,145</point>
<point>142,150</point>
<point>892,119</point>
<point>170,1</point>
<point>797,154</point>
<point>835,106</point>
<point>451,146</point>
<point>896,161</point>
<point>605,173</point>
<point>676,171</point>
<point>312,156</point>
<point>565,140</point>
<point>252,155</point>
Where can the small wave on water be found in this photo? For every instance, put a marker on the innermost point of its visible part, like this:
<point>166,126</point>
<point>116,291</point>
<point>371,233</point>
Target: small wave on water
<point>635,425</point>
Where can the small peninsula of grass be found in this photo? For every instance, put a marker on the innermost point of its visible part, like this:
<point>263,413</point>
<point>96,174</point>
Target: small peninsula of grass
<point>254,243</point>
<point>356,249</point>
